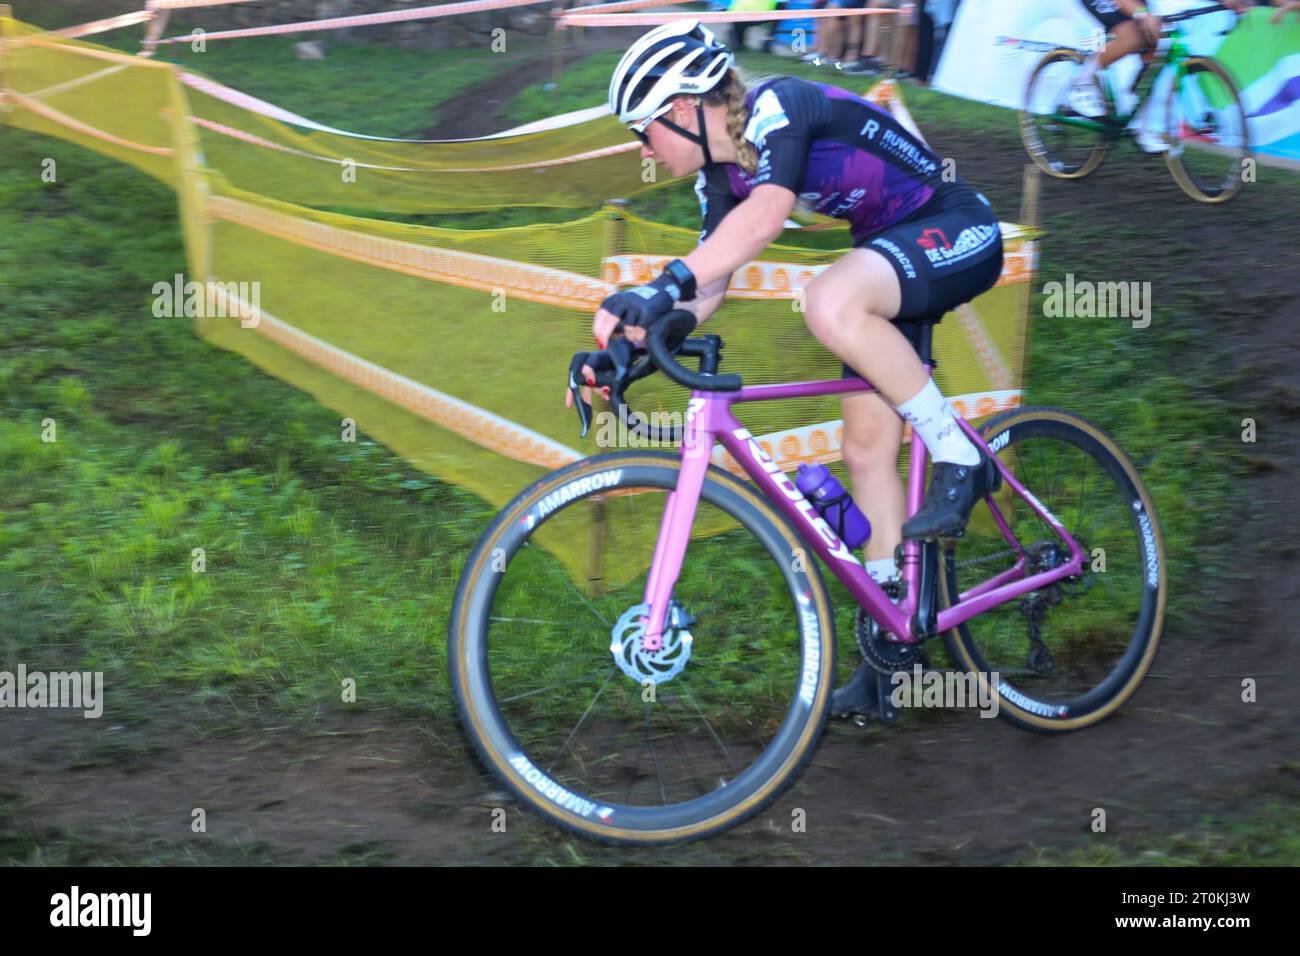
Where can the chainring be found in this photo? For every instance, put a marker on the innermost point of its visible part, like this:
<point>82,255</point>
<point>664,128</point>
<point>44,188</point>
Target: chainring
<point>885,656</point>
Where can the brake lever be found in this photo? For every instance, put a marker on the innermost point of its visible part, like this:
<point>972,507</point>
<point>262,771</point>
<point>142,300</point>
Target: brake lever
<point>622,355</point>
<point>621,352</point>
<point>575,388</point>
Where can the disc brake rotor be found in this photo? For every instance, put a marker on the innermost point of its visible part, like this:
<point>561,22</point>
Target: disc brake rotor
<point>653,667</point>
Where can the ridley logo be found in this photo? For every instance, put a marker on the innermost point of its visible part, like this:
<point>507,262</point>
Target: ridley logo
<point>926,240</point>
<point>791,491</point>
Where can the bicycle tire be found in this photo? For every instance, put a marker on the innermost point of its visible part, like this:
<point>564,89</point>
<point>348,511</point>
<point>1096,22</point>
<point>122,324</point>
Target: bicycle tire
<point>1231,184</point>
<point>1017,704</point>
<point>497,744</point>
<point>1031,137</point>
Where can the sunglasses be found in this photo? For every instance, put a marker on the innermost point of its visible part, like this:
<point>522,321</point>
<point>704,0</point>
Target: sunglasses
<point>640,128</point>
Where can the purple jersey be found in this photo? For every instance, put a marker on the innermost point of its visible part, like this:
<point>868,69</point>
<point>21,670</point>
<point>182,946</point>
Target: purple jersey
<point>842,156</point>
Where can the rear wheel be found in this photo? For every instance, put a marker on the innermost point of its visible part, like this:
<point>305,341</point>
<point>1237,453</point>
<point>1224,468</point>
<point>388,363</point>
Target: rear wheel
<point>1060,141</point>
<point>1066,656</point>
<point>577,717</point>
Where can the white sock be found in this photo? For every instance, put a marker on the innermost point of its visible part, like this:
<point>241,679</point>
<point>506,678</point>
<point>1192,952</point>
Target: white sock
<point>931,417</point>
<point>1091,67</point>
<point>882,570</point>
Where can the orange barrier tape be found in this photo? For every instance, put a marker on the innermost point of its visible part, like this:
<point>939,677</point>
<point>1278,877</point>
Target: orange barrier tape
<point>616,7</point>
<point>760,16</point>
<point>187,4</point>
<point>94,52</point>
<point>985,350</point>
<point>363,20</point>
<point>777,280</point>
<point>756,280</point>
<point>103,26</point>
<point>466,269</point>
<point>63,119</point>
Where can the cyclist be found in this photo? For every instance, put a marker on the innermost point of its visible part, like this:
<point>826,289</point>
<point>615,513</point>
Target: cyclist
<point>1134,30</point>
<point>923,245</point>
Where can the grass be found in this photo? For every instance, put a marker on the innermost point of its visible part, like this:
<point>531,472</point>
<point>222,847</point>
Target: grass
<point>361,87</point>
<point>322,564</point>
<point>305,556</point>
<point>1270,838</point>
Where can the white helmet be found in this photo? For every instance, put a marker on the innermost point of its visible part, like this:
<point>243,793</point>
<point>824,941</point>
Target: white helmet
<point>682,57</point>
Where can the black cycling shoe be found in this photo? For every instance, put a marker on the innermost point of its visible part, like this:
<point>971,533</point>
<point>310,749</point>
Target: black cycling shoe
<point>858,696</point>
<point>954,489</point>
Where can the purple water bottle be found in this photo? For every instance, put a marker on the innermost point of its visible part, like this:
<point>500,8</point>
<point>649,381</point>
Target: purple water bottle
<point>833,502</point>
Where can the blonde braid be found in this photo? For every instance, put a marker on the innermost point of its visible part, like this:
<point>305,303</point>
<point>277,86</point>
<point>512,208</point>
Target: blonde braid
<point>731,93</point>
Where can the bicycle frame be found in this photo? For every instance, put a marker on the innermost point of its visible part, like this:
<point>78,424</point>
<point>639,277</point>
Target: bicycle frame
<point>1114,126</point>
<point>1174,57</point>
<point>709,418</point>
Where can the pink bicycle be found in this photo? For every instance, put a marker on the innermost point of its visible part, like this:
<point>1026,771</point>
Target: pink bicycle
<point>643,650</point>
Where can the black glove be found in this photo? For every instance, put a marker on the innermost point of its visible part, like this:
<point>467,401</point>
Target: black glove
<point>645,304</point>
<point>614,368</point>
<point>607,364</point>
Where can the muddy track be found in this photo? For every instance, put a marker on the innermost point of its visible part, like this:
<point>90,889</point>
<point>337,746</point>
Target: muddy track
<point>948,788</point>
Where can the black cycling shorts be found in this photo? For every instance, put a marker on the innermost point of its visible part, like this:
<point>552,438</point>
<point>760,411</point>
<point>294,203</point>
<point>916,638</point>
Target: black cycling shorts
<point>947,253</point>
<point>1107,12</point>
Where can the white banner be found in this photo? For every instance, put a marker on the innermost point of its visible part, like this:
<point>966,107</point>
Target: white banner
<point>994,45</point>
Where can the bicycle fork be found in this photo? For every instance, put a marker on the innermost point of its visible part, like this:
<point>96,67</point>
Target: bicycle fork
<point>675,530</point>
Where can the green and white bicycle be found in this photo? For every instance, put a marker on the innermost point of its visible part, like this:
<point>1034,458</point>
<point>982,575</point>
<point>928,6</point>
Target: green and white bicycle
<point>1202,121</point>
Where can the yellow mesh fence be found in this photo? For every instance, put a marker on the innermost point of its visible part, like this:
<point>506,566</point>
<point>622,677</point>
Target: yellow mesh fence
<point>566,166</point>
<point>116,104</point>
<point>451,346</point>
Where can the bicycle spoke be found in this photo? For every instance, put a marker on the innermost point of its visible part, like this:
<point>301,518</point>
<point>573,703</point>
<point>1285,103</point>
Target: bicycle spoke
<point>543,690</point>
<point>1062,642</point>
<point>527,620</point>
<point>585,724</point>
<point>685,755</point>
<point>578,725</point>
<point>591,607</point>
<point>726,754</point>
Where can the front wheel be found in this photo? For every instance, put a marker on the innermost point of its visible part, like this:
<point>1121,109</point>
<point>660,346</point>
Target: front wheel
<point>1068,655</point>
<point>583,723</point>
